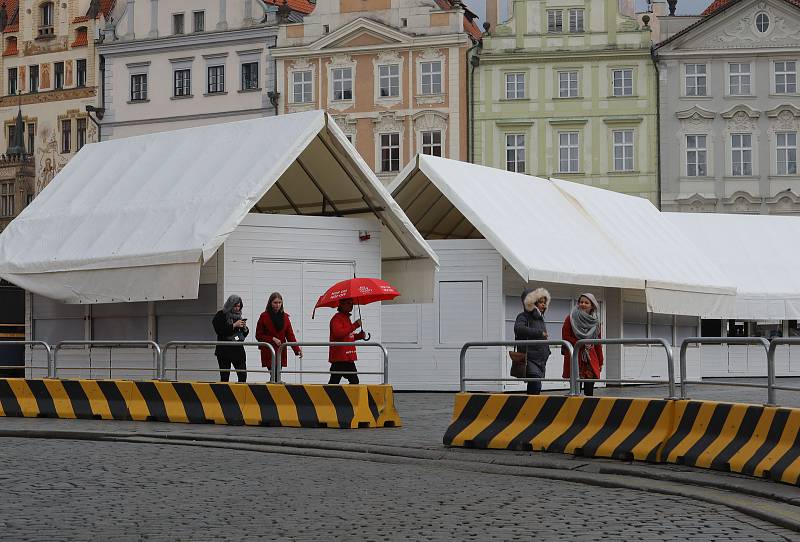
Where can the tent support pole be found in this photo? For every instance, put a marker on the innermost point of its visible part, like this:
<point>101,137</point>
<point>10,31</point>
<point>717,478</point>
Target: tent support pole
<point>285,195</point>
<point>321,191</point>
<point>463,218</point>
<point>441,218</point>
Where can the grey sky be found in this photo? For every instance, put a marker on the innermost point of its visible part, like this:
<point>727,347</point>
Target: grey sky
<point>685,7</point>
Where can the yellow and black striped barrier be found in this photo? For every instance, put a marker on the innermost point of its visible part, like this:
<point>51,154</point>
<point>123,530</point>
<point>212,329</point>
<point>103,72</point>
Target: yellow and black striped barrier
<point>286,405</point>
<point>749,439</point>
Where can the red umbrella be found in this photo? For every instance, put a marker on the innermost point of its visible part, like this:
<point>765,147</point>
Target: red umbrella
<point>361,290</point>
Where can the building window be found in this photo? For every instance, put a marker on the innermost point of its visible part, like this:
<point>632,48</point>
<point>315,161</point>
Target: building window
<point>623,82</point>
<point>66,136</point>
<point>515,153</point>
<point>739,79</point>
<point>33,78</point>
<point>696,156</point>
<point>695,79</point>
<point>431,77</point>
<point>576,20</point>
<point>741,155</point>
<point>785,77</point>
<point>12,81</point>
<point>80,79</point>
<point>177,23</point>
<point>567,84</point>
<point>389,80</point>
<point>58,75</point>
<point>787,152</point>
<point>554,20</point>
<point>46,23</point>
<point>390,152</point>
<point>515,86</point>
<point>81,134</point>
<point>6,199</point>
<point>623,150</point>
<point>139,87</point>
<point>199,21</point>
<point>216,79</point>
<point>432,142</point>
<point>250,76</point>
<point>301,87</point>
<point>568,152</point>
<point>183,82</point>
<point>342,84</point>
<point>31,137</point>
<point>762,22</point>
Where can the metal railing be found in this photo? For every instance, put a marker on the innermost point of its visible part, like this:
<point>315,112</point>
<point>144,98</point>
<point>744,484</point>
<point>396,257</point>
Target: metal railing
<point>31,366</point>
<point>286,345</point>
<point>477,344</point>
<point>205,344</point>
<point>575,379</point>
<point>107,344</point>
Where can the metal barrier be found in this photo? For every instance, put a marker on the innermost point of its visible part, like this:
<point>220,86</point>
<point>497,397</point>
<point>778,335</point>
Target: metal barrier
<point>284,346</point>
<point>47,348</point>
<point>770,352</point>
<point>175,344</point>
<point>575,380</point>
<point>463,361</point>
<point>109,345</point>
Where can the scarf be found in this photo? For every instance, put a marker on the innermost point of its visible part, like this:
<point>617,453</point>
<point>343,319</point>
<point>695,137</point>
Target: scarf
<point>276,317</point>
<point>585,325</point>
<point>230,314</point>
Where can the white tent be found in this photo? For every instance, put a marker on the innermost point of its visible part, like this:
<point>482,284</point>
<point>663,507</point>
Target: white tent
<point>758,252</point>
<point>562,232</point>
<point>135,219</point>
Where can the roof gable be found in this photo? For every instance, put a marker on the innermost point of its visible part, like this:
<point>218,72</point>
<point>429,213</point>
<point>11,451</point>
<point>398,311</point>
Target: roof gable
<point>361,30</point>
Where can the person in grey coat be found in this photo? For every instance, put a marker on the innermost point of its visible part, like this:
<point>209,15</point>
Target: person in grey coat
<point>530,326</point>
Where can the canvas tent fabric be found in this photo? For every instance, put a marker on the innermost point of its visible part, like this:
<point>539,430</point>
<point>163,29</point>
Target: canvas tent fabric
<point>563,232</point>
<point>757,253</point>
<point>135,219</point>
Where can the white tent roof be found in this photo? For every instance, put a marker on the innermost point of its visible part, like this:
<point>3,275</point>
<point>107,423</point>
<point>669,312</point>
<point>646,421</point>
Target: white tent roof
<point>134,219</point>
<point>758,252</point>
<point>558,231</point>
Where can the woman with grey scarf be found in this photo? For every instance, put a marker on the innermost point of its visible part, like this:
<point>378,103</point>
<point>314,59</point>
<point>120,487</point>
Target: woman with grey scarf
<point>584,323</point>
<point>230,326</point>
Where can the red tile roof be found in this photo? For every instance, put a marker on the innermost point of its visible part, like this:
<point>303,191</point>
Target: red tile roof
<point>301,6</point>
<point>717,4</point>
<point>81,39</point>
<point>470,26</point>
<point>11,16</point>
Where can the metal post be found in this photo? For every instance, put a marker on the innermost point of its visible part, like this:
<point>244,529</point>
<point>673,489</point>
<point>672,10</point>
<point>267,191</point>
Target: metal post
<point>774,343</point>
<point>574,386</point>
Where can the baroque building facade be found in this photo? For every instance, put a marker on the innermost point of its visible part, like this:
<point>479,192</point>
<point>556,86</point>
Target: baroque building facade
<point>391,72</point>
<point>172,65</point>
<point>568,90</point>
<point>730,110</point>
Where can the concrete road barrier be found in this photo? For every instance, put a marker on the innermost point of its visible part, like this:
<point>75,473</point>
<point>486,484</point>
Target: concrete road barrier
<point>749,439</point>
<point>288,405</point>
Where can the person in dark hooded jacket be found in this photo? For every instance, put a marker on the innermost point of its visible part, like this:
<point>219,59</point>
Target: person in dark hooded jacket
<point>530,326</point>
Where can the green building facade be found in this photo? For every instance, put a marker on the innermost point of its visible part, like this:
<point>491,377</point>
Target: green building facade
<point>568,89</point>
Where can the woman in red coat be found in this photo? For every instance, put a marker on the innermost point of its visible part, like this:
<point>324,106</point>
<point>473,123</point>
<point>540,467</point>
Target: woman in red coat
<point>275,327</point>
<point>584,323</point>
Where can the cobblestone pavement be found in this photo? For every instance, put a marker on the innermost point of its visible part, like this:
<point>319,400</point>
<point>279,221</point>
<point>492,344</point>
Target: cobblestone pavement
<point>78,490</point>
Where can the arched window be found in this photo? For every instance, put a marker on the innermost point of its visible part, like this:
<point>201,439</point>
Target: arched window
<point>46,19</point>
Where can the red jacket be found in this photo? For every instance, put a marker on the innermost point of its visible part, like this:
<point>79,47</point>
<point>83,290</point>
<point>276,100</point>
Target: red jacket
<point>595,350</point>
<point>265,332</point>
<point>342,331</point>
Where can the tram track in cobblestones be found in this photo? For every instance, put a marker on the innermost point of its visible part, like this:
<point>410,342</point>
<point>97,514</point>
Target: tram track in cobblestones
<point>778,505</point>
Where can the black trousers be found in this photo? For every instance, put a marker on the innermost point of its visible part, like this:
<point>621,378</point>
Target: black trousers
<point>239,365</point>
<point>349,366</point>
<point>588,389</point>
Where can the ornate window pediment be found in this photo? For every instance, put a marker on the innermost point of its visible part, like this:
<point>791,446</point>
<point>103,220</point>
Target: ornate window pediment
<point>740,111</point>
<point>695,113</point>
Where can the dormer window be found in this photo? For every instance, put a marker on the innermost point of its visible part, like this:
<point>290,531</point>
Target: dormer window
<point>46,12</point>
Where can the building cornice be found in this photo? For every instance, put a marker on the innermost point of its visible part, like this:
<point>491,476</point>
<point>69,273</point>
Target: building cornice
<point>198,116</point>
<point>48,96</point>
<point>537,56</point>
<point>738,52</point>
<point>188,41</point>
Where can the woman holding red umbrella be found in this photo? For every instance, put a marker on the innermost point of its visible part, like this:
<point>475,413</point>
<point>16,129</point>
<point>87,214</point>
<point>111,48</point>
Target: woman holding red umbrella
<point>275,327</point>
<point>343,358</point>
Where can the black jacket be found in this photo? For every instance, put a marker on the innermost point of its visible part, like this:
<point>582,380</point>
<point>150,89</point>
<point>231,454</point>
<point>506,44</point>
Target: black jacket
<point>224,332</point>
<point>530,326</point>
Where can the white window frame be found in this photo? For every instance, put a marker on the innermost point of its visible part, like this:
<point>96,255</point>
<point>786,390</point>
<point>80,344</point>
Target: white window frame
<point>342,77</point>
<point>175,18</point>
<point>697,151</point>
<point>786,153</point>
<point>248,62</point>
<point>555,21</point>
<point>741,77</point>
<point>623,141</point>
<point>186,85</point>
<point>572,146</point>
<point>390,146</point>
<point>576,16</point>
<point>388,80</point>
<point>219,88</point>
<point>515,152</point>
<point>202,15</point>
<point>515,85</point>
<point>741,155</point>
<point>567,92</point>
<point>430,76</point>
<point>789,77</point>
<point>623,90</point>
<point>692,80</point>
<point>305,99</point>
<point>142,85</point>
<point>430,146</point>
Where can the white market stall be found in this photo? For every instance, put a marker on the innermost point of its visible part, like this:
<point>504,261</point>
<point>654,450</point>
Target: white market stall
<point>496,232</point>
<point>144,237</point>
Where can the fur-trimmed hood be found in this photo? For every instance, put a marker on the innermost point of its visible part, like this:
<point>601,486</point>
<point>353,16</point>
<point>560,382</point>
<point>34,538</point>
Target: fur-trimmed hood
<point>530,297</point>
